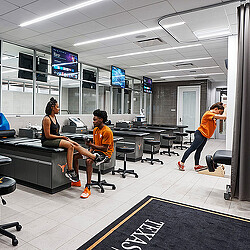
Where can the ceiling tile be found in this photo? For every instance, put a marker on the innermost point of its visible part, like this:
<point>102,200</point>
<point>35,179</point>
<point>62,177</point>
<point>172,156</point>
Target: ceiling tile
<point>45,26</point>
<point>21,3</point>
<point>6,26</point>
<point>88,27</point>
<point>129,5</point>
<point>6,7</point>
<point>22,33</point>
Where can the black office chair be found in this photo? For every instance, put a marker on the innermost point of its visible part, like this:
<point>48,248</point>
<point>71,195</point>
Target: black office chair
<point>7,186</point>
<point>125,150</point>
<point>181,134</point>
<point>152,159</point>
<point>170,139</point>
<point>100,183</point>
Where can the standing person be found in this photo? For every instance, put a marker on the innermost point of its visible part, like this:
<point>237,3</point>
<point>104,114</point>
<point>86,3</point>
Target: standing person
<point>205,131</point>
<point>103,144</point>
<point>52,138</point>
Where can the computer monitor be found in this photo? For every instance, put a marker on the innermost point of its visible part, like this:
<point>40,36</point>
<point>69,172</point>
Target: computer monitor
<point>117,77</point>
<point>147,85</point>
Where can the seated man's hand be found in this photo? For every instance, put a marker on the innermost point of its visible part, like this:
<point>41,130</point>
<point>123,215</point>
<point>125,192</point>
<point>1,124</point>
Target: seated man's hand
<point>88,143</point>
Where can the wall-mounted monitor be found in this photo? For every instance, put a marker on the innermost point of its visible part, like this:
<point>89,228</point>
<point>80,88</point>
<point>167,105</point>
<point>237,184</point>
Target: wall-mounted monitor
<point>117,77</point>
<point>147,85</point>
<point>64,63</point>
<point>25,61</point>
<point>88,75</point>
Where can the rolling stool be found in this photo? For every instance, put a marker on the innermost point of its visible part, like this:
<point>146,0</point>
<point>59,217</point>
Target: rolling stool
<point>124,171</point>
<point>100,183</point>
<point>190,137</point>
<point>152,160</point>
<point>181,134</point>
<point>169,138</point>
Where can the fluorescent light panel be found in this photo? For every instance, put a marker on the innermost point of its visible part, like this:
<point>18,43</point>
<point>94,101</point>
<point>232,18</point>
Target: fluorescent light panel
<point>209,74</point>
<point>202,34</point>
<point>127,34</point>
<point>156,50</point>
<point>176,70</point>
<point>60,12</point>
<point>169,62</point>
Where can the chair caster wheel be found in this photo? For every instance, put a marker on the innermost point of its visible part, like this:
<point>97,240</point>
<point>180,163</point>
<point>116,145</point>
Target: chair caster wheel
<point>142,160</point>
<point>113,173</point>
<point>114,187</point>
<point>18,228</point>
<point>123,176</point>
<point>162,163</point>
<point>102,190</point>
<point>14,242</point>
<point>160,153</point>
<point>152,163</point>
<point>177,154</point>
<point>136,176</point>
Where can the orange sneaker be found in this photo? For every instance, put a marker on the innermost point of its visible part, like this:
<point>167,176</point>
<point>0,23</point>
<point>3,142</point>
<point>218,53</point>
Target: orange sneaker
<point>180,166</point>
<point>86,193</point>
<point>76,184</point>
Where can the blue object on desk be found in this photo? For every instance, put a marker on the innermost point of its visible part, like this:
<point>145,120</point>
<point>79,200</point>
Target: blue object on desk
<point>4,124</point>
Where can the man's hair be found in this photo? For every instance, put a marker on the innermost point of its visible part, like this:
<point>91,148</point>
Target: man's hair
<point>218,105</point>
<point>52,103</point>
<point>101,114</point>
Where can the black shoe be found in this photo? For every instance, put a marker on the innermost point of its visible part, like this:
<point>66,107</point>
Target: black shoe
<point>100,159</point>
<point>71,174</point>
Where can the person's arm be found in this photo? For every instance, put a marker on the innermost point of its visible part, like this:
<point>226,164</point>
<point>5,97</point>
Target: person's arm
<point>220,117</point>
<point>46,128</point>
<point>103,148</point>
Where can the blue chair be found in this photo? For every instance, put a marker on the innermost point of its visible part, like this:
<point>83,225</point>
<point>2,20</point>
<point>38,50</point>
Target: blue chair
<point>4,124</point>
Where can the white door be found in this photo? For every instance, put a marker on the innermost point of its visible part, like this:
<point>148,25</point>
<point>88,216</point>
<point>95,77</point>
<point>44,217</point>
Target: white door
<point>188,106</point>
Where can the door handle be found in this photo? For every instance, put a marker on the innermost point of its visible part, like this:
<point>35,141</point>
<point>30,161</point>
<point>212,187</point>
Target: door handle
<point>180,119</point>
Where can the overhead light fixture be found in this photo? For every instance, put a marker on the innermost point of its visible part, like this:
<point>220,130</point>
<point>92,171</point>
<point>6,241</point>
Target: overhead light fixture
<point>169,62</point>
<point>176,70</point>
<point>156,50</point>
<point>209,74</point>
<point>210,33</point>
<point>128,34</point>
<point>60,12</point>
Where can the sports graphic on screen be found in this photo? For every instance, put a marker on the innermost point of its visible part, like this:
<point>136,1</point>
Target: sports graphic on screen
<point>147,85</point>
<point>117,77</point>
<point>64,63</point>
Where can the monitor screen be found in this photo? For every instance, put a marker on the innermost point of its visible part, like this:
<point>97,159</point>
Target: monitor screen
<point>147,85</point>
<point>88,75</point>
<point>64,63</point>
<point>117,77</point>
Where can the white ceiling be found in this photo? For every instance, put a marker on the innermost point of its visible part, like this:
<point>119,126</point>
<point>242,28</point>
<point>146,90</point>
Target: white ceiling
<point>111,17</point>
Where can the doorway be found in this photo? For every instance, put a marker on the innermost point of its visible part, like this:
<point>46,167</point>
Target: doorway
<point>188,106</point>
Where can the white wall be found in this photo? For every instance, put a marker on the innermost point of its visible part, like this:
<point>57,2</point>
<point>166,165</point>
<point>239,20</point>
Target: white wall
<point>231,88</point>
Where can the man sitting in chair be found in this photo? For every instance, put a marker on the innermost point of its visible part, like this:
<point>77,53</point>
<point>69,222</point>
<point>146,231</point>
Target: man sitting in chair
<point>102,143</point>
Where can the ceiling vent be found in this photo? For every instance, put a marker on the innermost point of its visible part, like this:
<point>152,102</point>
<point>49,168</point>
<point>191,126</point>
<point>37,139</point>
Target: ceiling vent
<point>184,65</point>
<point>150,42</point>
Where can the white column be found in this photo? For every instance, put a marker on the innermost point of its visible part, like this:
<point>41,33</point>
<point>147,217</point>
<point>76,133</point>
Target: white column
<point>132,97</point>
<point>80,90</point>
<point>34,84</point>
<point>122,101</point>
<point>231,88</point>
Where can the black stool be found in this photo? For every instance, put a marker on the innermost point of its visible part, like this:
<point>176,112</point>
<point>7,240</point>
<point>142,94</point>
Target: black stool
<point>190,137</point>
<point>181,134</point>
<point>152,143</point>
<point>124,171</point>
<point>7,186</point>
<point>100,183</point>
<point>170,139</point>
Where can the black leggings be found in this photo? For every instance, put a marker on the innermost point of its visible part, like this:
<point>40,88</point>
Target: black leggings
<point>198,144</point>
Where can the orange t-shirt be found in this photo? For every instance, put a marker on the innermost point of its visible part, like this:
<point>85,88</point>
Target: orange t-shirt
<point>208,124</point>
<point>104,136</point>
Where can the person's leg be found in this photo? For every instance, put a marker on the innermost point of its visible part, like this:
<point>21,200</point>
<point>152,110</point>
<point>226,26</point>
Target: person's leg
<point>198,152</point>
<point>70,152</point>
<point>89,170</point>
<point>198,139</point>
<point>76,158</point>
<point>84,151</point>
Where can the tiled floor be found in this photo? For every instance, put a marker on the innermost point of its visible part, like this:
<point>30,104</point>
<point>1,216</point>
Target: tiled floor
<point>64,221</point>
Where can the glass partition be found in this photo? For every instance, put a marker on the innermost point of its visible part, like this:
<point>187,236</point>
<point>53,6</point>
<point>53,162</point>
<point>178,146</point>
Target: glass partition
<point>137,96</point>
<point>117,100</point>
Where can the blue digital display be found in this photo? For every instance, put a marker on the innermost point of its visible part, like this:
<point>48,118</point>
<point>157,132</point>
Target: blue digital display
<point>147,85</point>
<point>64,63</point>
<point>118,77</point>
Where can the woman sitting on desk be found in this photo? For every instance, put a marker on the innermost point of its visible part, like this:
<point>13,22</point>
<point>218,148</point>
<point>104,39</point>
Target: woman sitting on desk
<point>52,138</point>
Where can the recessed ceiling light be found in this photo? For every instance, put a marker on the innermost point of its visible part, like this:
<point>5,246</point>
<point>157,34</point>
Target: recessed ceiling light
<point>176,70</point>
<point>169,62</point>
<point>154,51</point>
<point>210,33</point>
<point>209,74</point>
<point>127,34</point>
<point>60,12</point>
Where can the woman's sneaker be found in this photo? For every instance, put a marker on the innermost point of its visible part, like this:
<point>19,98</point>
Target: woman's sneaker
<point>180,166</point>
<point>199,168</point>
<point>71,174</point>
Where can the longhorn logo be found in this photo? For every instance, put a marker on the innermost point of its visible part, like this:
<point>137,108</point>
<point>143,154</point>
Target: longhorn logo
<point>62,167</point>
<point>139,146</point>
<point>1,180</point>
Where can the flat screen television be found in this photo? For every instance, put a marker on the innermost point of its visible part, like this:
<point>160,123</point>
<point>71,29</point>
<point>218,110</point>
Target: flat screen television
<point>117,77</point>
<point>88,75</point>
<point>64,63</point>
<point>26,62</point>
<point>147,85</point>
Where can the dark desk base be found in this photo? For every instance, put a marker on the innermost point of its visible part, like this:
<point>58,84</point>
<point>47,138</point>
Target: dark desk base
<point>120,157</point>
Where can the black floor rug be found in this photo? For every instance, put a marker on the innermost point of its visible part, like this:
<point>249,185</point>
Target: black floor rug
<point>156,223</point>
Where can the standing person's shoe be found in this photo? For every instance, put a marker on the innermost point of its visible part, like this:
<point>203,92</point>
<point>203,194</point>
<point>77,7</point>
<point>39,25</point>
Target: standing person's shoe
<point>180,166</point>
<point>99,159</point>
<point>199,168</point>
<point>71,174</point>
<point>76,184</point>
<point>86,193</point>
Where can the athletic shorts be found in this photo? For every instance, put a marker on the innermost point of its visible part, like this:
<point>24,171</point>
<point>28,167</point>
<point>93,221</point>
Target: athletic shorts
<point>54,143</point>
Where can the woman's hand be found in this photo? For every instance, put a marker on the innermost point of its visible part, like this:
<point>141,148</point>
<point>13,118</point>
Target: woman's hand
<point>65,138</point>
